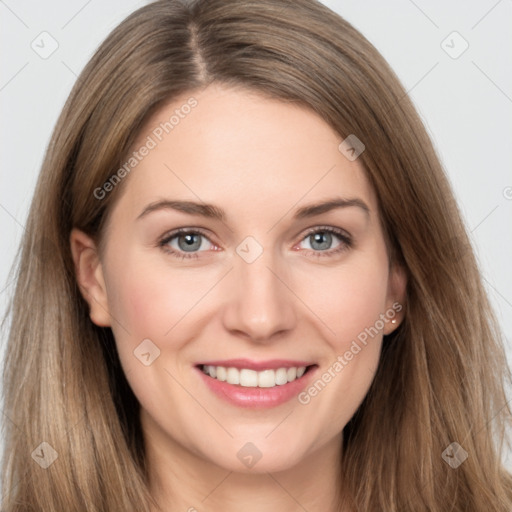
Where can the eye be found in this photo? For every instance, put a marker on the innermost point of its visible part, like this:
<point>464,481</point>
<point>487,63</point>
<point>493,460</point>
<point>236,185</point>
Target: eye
<point>326,240</point>
<point>185,243</point>
<point>319,241</point>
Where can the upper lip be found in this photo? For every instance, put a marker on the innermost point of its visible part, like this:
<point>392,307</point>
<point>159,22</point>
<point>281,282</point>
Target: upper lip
<point>271,364</point>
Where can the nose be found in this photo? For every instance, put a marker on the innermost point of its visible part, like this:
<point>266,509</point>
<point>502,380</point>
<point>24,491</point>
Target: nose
<point>260,305</point>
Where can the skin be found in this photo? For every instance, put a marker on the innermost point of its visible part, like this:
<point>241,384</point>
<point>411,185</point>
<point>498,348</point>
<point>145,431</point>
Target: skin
<point>259,160</point>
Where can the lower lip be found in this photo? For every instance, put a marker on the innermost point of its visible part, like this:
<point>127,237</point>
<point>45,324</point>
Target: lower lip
<point>257,398</point>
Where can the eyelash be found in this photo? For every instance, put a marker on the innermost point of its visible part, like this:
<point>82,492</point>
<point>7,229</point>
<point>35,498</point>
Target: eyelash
<point>345,239</point>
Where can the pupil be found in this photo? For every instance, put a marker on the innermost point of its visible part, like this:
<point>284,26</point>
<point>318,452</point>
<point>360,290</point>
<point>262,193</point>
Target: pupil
<point>321,241</point>
<point>189,242</point>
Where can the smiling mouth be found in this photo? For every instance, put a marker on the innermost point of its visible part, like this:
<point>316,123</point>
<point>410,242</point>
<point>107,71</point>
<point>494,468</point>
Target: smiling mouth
<point>248,378</point>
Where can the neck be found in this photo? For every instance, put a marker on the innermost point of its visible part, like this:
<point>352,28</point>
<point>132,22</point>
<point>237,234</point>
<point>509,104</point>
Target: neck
<point>182,481</point>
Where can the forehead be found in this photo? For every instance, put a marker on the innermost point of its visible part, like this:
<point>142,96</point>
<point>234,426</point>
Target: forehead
<point>239,149</point>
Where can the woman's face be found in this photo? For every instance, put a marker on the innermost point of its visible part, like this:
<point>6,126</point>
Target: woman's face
<point>280,264</point>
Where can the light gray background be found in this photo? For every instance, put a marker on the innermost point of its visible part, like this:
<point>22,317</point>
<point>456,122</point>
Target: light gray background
<point>465,102</point>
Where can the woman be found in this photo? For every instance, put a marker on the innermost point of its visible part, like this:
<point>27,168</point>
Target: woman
<point>245,283</point>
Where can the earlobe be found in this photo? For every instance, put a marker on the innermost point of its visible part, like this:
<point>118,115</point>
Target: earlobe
<point>89,276</point>
<point>395,305</point>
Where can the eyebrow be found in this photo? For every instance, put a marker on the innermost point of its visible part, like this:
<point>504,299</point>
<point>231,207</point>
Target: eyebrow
<point>331,204</point>
<point>214,212</point>
<point>190,207</point>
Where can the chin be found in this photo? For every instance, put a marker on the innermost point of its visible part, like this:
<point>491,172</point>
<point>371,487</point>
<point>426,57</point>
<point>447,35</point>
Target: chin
<point>258,458</point>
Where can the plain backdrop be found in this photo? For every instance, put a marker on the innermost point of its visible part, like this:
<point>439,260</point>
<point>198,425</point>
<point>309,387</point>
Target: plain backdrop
<point>454,59</point>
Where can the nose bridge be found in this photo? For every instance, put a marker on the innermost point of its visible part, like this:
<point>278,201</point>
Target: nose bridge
<point>260,304</point>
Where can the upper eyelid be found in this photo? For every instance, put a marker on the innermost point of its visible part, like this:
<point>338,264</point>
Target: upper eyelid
<point>331,229</point>
<point>180,231</point>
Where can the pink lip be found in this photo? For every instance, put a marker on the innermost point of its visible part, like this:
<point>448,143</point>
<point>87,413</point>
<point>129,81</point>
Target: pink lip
<point>272,364</point>
<point>257,398</point>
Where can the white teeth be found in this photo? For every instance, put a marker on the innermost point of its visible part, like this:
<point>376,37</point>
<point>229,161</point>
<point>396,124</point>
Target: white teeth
<point>267,379</point>
<point>291,374</point>
<point>248,378</point>
<point>220,370</point>
<point>232,376</point>
<point>252,379</point>
<point>281,376</point>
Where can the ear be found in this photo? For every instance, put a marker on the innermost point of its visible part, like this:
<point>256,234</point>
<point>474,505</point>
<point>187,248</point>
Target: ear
<point>395,301</point>
<point>89,276</point>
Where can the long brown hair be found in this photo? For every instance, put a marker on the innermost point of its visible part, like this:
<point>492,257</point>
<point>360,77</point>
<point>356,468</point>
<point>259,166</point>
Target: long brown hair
<point>442,372</point>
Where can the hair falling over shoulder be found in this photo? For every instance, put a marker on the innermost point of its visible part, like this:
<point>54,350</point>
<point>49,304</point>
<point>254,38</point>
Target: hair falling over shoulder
<point>442,374</point>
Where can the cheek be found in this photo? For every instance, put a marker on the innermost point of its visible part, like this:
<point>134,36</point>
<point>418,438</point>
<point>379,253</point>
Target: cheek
<point>139,305</point>
<point>149,299</point>
<point>350,299</point>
